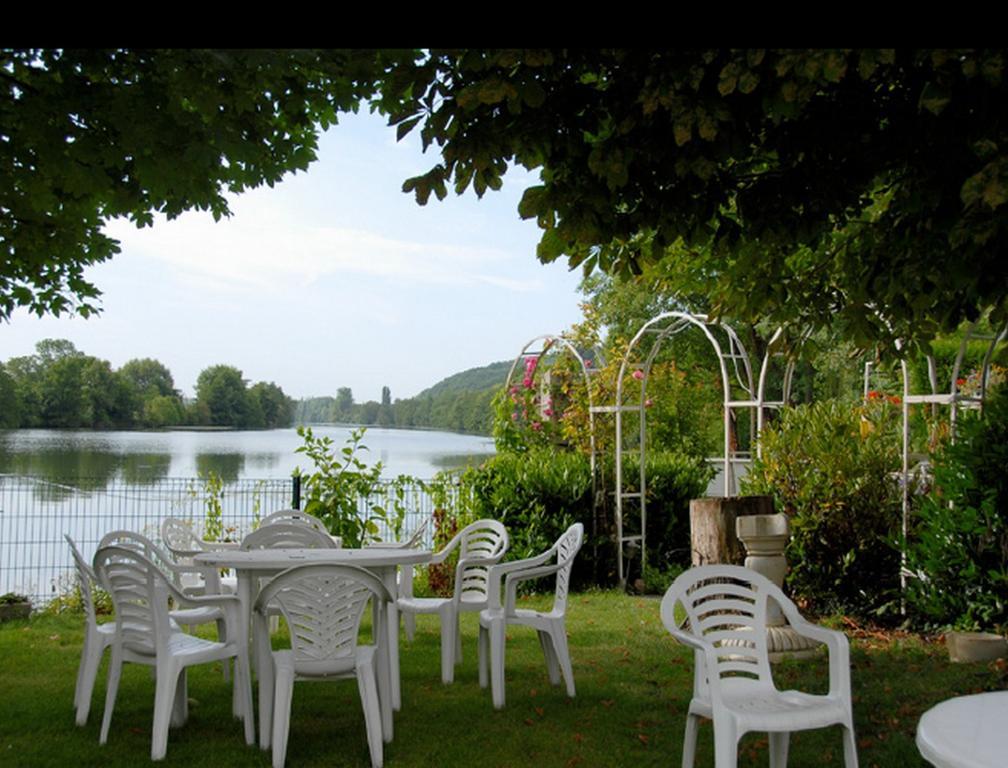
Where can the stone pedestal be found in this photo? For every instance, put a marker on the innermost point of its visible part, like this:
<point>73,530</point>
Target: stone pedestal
<point>764,538</point>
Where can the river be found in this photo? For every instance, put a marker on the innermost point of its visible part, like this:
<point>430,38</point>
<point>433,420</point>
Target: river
<point>148,457</point>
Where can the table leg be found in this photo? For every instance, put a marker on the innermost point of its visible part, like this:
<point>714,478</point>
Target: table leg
<point>243,677</point>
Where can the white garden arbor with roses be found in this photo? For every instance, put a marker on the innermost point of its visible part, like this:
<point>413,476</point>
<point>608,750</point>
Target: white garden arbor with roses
<point>743,397</point>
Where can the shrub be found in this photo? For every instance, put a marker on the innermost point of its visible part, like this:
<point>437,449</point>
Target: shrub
<point>958,550</point>
<point>539,493</point>
<point>831,468</point>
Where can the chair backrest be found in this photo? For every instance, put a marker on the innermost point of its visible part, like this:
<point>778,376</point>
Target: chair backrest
<point>295,516</point>
<point>85,581</point>
<point>287,536</point>
<point>486,539</point>
<point>322,605</point>
<point>567,546</point>
<point>178,537</point>
<point>158,556</point>
<point>139,593</point>
<point>726,605</point>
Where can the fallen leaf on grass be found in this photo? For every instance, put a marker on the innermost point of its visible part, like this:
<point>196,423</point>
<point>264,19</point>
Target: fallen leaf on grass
<point>539,711</point>
<point>529,721</point>
<point>578,738</point>
<point>573,761</point>
<point>642,738</point>
<point>608,702</point>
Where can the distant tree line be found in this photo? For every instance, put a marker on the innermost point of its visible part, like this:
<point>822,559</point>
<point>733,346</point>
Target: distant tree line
<point>61,387</point>
<point>459,403</point>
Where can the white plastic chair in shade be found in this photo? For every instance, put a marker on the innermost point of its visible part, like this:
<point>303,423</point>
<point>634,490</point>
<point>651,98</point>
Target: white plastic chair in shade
<point>297,517</point>
<point>97,637</point>
<point>481,545</point>
<point>294,516</point>
<point>322,605</point>
<point>551,625</point>
<point>726,609</point>
<point>405,581</point>
<point>183,543</point>
<point>144,634</point>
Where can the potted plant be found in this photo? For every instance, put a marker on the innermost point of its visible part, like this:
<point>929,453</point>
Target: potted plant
<point>14,606</point>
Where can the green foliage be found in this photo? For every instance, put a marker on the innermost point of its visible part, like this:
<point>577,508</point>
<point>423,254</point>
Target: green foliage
<point>339,480</point>
<point>672,480</point>
<point>831,468</point>
<point>537,495</point>
<point>213,521</point>
<point>13,598</point>
<point>958,550</point>
<point>807,186</point>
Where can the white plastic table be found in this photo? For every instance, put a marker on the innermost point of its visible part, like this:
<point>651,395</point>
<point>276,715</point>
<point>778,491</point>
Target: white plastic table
<point>966,732</point>
<point>383,562</point>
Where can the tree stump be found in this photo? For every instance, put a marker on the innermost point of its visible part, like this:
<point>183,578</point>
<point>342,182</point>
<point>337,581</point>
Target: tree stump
<point>712,527</point>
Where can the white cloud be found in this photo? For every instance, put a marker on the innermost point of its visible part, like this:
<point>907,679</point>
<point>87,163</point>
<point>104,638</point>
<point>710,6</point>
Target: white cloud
<point>265,249</point>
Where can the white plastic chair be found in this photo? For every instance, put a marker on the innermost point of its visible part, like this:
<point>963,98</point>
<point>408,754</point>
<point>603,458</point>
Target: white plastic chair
<point>183,543</point>
<point>405,581</point>
<point>481,544</point>
<point>294,516</point>
<point>144,634</point>
<point>190,580</point>
<point>726,608</point>
<point>551,625</point>
<point>97,637</point>
<point>322,605</point>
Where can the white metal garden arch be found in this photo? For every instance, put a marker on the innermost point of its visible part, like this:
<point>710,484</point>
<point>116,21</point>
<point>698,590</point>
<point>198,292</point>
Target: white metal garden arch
<point>538,348</point>
<point>745,396</point>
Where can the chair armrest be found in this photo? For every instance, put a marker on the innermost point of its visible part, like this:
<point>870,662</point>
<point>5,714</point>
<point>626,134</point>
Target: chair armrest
<point>837,645</point>
<point>440,557</point>
<point>499,571</point>
<point>512,579</point>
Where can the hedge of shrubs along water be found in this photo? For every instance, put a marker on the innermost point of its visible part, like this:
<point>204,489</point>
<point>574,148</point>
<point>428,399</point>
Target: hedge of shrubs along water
<point>537,494</point>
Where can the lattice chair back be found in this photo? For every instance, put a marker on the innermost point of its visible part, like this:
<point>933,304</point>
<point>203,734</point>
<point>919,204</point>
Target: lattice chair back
<point>727,606</point>
<point>187,578</point>
<point>323,605</point>
<point>179,538</point>
<point>139,593</point>
<point>484,539</point>
<point>85,581</point>
<point>294,516</point>
<point>567,546</point>
<point>287,536</point>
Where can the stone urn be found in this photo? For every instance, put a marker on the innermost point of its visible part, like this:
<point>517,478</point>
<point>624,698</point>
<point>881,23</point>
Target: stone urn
<point>765,537</point>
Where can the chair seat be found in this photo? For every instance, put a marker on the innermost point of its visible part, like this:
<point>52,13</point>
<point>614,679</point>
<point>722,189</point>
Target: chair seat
<point>776,710</point>
<point>434,604</point>
<point>524,617</point>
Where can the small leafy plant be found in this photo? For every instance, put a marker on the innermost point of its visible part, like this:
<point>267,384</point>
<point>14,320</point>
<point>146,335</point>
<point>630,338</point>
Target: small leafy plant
<point>13,598</point>
<point>338,491</point>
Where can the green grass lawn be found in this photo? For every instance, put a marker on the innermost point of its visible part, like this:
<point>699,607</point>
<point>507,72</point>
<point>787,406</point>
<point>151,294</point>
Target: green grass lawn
<point>633,683</point>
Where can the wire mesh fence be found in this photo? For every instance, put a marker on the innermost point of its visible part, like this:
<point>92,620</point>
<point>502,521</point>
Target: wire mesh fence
<point>35,514</point>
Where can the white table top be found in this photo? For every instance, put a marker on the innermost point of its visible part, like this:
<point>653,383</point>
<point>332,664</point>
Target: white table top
<point>966,732</point>
<point>279,559</point>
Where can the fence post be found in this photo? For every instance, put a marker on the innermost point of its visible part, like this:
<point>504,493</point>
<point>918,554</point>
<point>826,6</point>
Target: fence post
<point>296,491</point>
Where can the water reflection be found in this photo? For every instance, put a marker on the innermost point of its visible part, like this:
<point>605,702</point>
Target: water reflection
<point>227,466</point>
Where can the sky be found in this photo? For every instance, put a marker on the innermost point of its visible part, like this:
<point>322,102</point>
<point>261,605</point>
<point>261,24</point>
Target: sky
<point>332,278</point>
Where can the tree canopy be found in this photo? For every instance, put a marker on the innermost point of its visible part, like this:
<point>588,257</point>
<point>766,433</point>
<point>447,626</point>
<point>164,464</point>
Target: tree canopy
<point>808,187</point>
<point>90,135</point>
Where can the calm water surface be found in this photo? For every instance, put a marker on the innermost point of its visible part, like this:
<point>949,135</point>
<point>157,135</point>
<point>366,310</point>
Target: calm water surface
<point>146,457</point>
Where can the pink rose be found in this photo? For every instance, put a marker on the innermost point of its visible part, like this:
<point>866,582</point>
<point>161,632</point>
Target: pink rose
<point>648,403</point>
<point>536,426</point>
<point>638,374</point>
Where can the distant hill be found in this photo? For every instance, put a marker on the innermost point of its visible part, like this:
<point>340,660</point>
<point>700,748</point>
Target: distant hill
<point>472,380</point>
